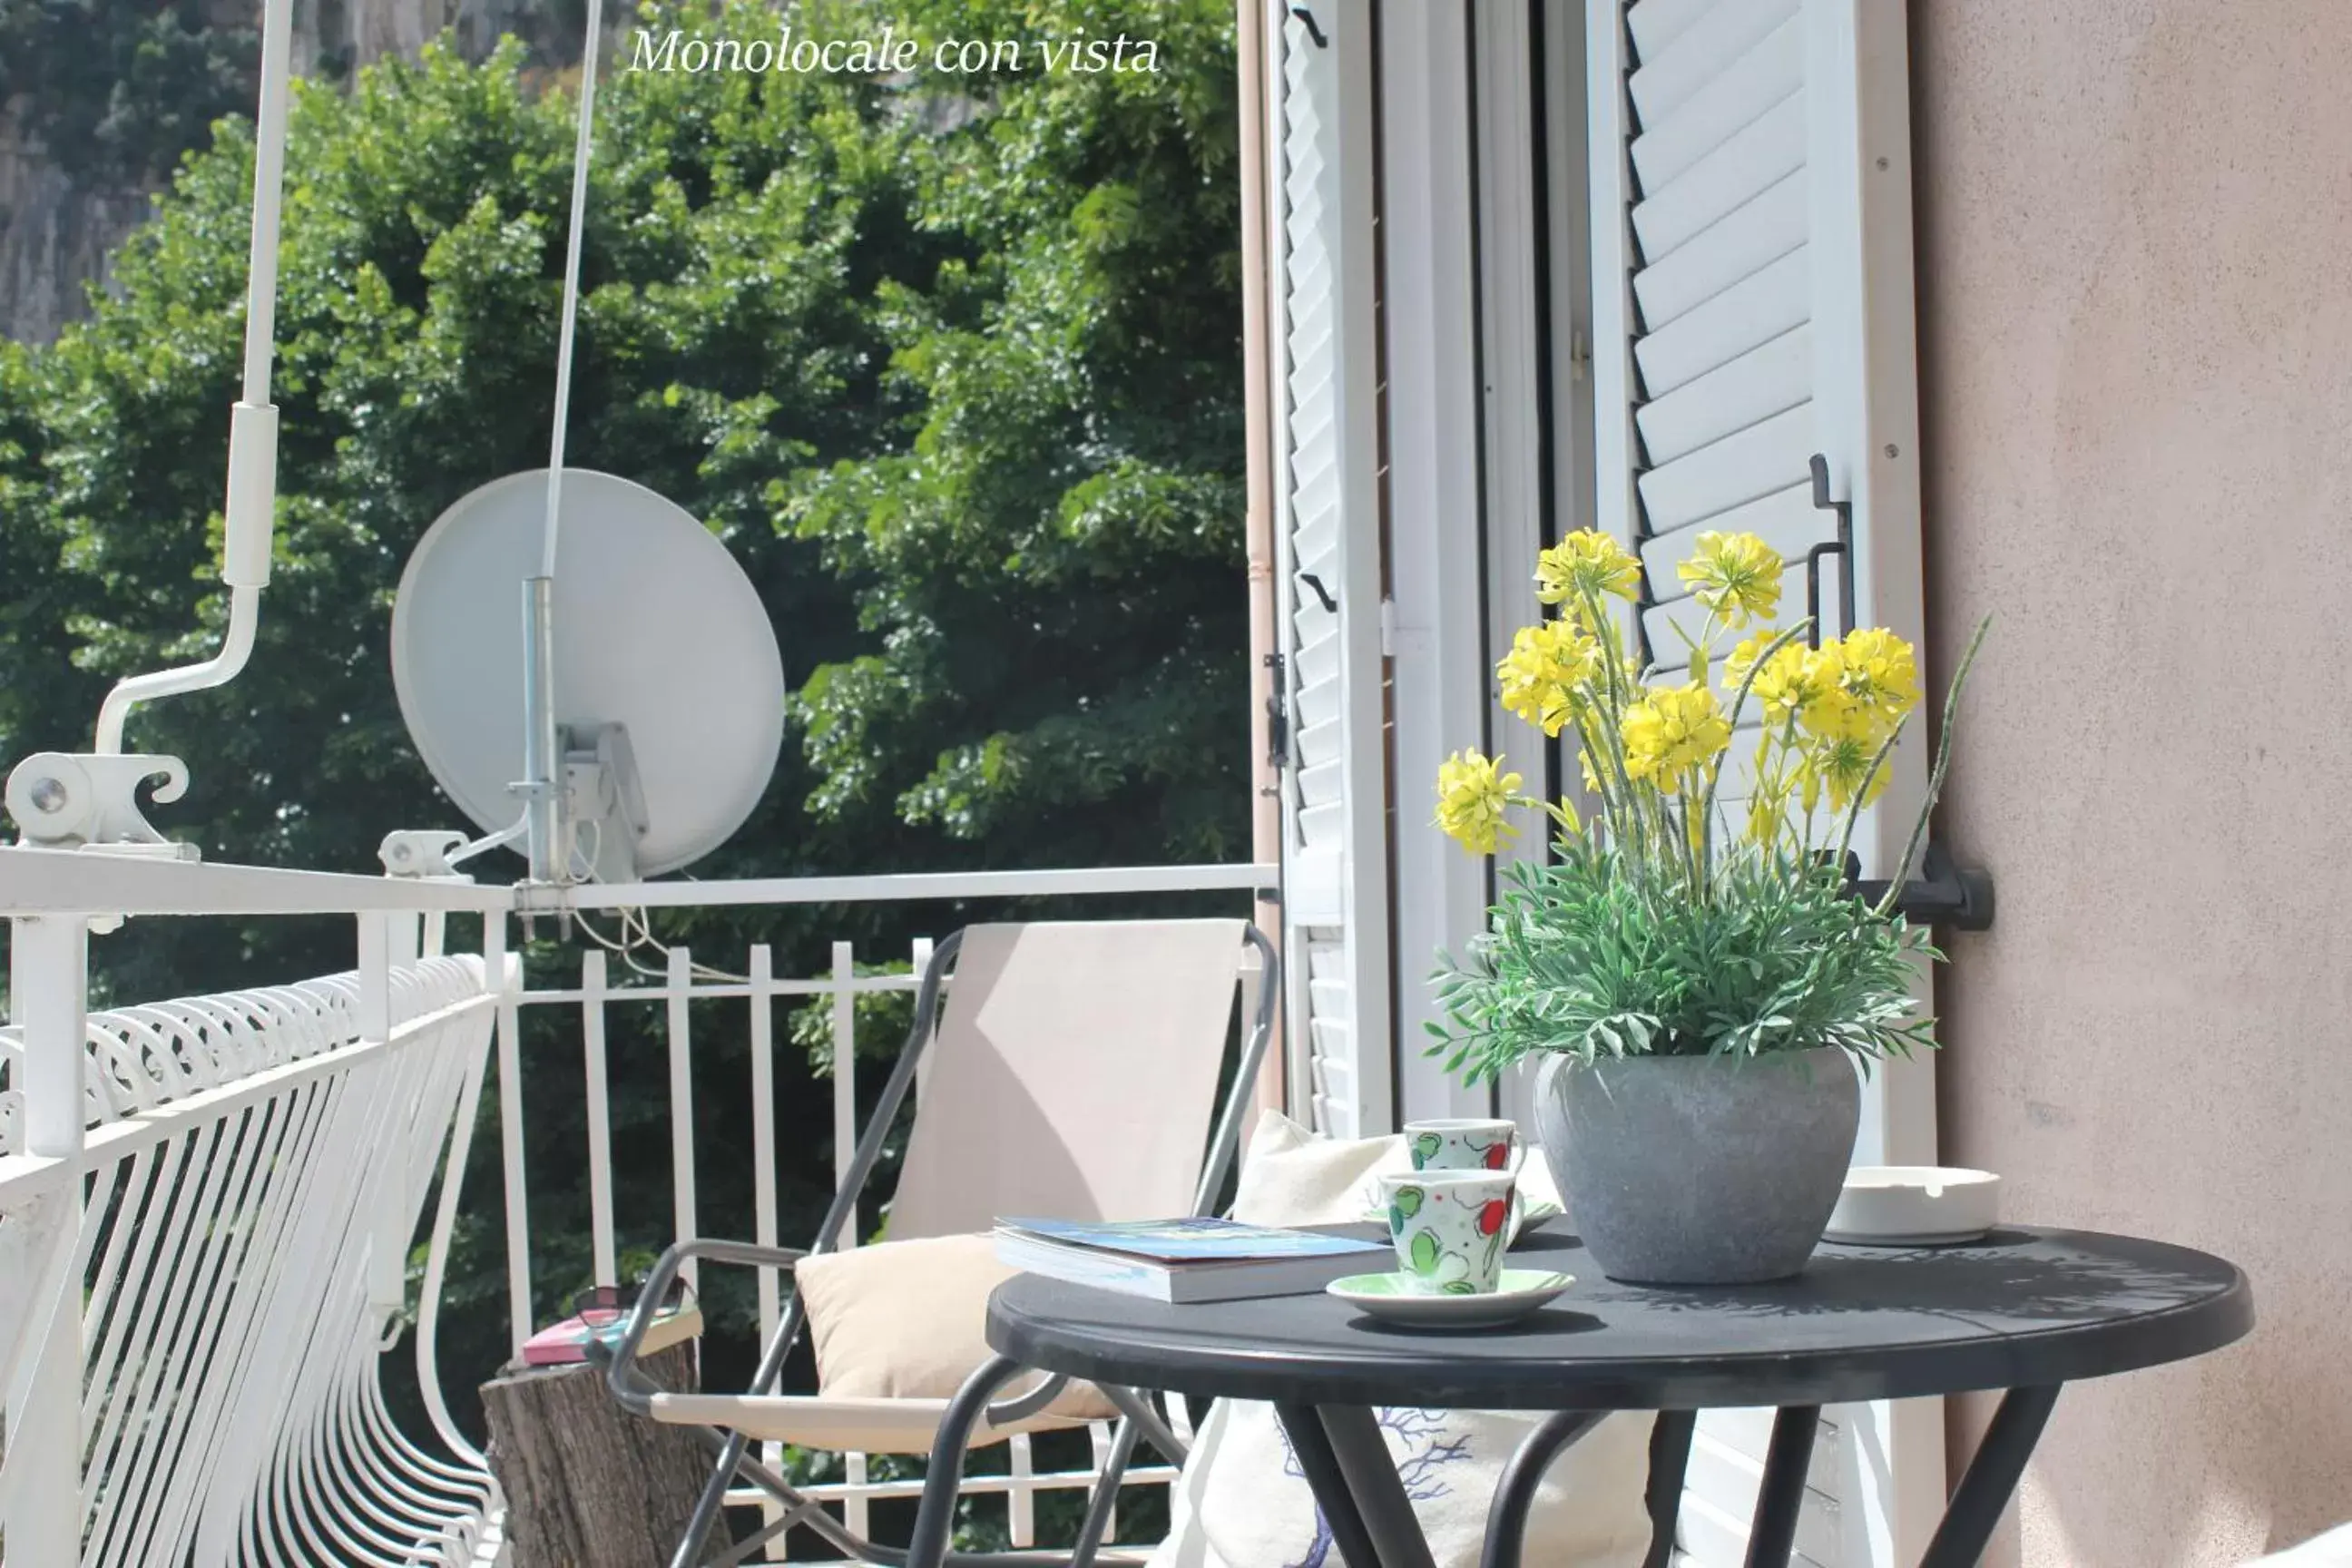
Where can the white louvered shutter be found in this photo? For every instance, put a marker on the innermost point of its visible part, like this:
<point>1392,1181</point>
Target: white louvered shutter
<point>1750,187</point>
<point>1335,862</point>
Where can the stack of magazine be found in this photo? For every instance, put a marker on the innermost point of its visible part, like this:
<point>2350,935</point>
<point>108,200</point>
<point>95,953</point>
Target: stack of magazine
<point>1184,1260</point>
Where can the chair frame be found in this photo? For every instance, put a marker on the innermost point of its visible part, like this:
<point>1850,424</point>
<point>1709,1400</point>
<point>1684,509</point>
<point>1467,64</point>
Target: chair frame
<point>635,1391</point>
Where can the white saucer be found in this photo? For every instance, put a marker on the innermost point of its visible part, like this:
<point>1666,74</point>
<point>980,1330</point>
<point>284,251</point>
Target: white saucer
<point>1398,1299</point>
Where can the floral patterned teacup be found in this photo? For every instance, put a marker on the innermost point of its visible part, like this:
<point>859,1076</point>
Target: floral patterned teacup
<point>1461,1144</point>
<point>1450,1228</point>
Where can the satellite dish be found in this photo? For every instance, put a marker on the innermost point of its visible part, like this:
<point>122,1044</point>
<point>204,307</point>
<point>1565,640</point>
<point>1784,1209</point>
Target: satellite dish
<point>669,692</point>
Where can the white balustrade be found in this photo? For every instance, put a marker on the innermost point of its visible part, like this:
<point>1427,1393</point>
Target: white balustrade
<point>208,1206</point>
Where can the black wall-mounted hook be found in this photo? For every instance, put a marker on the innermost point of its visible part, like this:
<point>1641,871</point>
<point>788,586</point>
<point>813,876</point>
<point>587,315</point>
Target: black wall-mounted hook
<point>1941,894</point>
<point>1321,593</point>
<point>1313,31</point>
<point>1841,547</point>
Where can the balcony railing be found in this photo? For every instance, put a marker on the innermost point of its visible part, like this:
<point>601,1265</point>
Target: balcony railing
<point>208,1206</point>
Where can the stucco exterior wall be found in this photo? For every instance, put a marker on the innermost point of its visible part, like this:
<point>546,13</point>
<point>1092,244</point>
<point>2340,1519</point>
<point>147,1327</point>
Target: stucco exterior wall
<point>2135,253</point>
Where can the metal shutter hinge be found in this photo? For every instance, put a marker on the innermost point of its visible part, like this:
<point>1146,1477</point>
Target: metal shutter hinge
<point>1277,716</point>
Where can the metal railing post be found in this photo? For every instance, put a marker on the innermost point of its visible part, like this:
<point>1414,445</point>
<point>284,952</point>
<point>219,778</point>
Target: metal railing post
<point>381,945</point>
<point>48,983</point>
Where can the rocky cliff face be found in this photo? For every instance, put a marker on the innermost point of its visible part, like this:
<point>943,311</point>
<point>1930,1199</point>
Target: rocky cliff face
<point>57,231</point>
<point>54,238</point>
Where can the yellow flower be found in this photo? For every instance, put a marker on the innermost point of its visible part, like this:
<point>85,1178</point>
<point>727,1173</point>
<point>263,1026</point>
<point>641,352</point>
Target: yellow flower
<point>1671,734</point>
<point>1742,659</point>
<point>1587,563</point>
<point>1877,675</point>
<point>1544,674</point>
<point>1472,792</point>
<point>1735,577</point>
<point>1801,683</point>
<point>1841,766</point>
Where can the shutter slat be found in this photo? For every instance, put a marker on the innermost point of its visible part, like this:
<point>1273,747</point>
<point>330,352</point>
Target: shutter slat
<point>1319,709</point>
<point>1330,998</point>
<point>1761,153</point>
<point>1750,238</point>
<point>1761,383</point>
<point>1713,1537</point>
<point>1315,543</point>
<point>1753,462</point>
<point>1654,24</point>
<point>1317,742</point>
<point>1745,316</point>
<point>1726,1467</point>
<point>1693,61</point>
<point>1755,82</point>
<point>1318,646</point>
<point>1786,519</point>
<point>1311,884</point>
<point>1318,825</point>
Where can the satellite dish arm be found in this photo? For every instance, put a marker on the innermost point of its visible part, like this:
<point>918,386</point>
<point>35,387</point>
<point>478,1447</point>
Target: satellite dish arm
<point>253,419</point>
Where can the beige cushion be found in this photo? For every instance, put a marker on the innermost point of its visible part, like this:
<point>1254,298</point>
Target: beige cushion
<point>907,1319</point>
<point>1292,1177</point>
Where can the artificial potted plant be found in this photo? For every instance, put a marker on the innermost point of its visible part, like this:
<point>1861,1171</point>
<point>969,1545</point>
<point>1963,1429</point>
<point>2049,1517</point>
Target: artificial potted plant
<point>1700,983</point>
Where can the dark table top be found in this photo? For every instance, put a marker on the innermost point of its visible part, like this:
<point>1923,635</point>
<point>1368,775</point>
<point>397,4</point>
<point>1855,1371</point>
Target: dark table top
<point>2023,1306</point>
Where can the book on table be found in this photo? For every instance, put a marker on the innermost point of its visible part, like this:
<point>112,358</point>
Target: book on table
<point>566,1343</point>
<point>1184,1260</point>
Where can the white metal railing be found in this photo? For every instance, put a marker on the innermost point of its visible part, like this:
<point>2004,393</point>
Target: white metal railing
<point>233,1183</point>
<point>204,1269</point>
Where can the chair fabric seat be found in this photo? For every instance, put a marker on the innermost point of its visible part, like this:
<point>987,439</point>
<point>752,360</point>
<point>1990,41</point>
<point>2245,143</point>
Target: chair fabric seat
<point>843,1426</point>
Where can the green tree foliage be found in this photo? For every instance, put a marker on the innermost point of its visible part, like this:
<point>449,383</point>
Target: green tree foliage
<point>1069,478</point>
<point>116,91</point>
<point>952,364</point>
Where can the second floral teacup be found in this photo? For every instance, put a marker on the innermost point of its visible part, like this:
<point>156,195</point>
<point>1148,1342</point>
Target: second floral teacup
<point>1450,1228</point>
<point>1463,1143</point>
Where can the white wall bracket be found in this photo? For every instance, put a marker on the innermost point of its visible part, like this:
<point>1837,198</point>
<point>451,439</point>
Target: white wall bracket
<point>62,801</point>
<point>422,853</point>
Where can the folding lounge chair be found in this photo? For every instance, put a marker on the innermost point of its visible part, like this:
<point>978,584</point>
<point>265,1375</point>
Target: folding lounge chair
<point>1075,1076</point>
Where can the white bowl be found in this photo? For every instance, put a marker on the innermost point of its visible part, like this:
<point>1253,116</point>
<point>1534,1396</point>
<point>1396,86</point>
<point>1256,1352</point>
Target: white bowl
<point>1915,1205</point>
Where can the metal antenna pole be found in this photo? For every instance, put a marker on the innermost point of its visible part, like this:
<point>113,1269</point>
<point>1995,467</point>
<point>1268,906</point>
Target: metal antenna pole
<point>547,829</point>
<point>540,789</point>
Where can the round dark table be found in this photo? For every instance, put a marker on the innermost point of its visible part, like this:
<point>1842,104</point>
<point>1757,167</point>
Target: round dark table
<point>2024,1309</point>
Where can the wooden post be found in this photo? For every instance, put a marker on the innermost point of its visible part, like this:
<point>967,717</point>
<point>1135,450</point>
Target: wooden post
<point>588,1485</point>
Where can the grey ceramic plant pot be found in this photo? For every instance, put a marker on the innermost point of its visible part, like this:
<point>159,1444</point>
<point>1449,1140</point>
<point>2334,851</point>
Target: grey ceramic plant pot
<point>1700,1170</point>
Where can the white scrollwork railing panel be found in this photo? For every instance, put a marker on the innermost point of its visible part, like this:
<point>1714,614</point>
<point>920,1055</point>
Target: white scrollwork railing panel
<point>255,1175</point>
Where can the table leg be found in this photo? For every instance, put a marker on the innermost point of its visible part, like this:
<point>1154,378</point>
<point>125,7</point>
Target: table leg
<point>1514,1494</point>
<point>943,1478</point>
<point>1773,1534</point>
<point>1992,1475</point>
<point>1354,1480</point>
<point>1669,1446</point>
